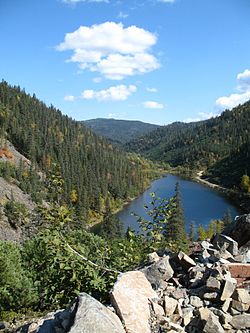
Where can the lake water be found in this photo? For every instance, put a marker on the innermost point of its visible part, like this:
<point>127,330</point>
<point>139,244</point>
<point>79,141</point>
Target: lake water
<point>201,204</point>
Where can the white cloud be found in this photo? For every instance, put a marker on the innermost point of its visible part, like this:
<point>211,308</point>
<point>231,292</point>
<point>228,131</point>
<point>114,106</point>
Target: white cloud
<point>201,116</point>
<point>97,79</point>
<point>69,98</point>
<point>115,93</point>
<point>153,105</point>
<point>152,90</point>
<point>229,102</point>
<point>111,49</point>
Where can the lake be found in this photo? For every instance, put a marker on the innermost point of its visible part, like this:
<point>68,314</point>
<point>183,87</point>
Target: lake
<point>201,204</point>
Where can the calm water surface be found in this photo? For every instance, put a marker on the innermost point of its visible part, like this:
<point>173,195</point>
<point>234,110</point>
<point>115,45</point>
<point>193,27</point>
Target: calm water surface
<point>200,203</point>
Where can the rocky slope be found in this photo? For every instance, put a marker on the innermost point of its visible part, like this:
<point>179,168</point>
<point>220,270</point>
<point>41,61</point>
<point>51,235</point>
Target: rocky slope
<point>207,291</point>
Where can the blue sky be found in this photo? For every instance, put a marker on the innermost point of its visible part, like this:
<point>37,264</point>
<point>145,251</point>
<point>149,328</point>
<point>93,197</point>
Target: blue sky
<point>157,61</point>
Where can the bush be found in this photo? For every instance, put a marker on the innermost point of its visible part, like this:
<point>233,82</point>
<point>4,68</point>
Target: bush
<point>16,288</point>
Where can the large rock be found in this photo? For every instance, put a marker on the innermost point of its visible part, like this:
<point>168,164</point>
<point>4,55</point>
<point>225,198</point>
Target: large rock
<point>241,321</point>
<point>159,272</point>
<point>223,242</point>
<point>92,316</point>
<point>213,325</point>
<point>183,260</point>
<point>239,229</point>
<point>229,287</point>
<point>130,297</point>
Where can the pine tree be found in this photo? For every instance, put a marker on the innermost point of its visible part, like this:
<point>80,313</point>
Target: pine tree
<point>176,233</point>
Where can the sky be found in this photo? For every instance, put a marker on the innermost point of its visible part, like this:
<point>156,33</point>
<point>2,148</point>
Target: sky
<point>157,61</point>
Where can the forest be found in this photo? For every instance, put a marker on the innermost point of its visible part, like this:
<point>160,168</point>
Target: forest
<point>93,170</point>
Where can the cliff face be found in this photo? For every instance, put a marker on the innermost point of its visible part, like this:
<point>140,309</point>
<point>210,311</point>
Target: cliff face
<point>205,291</point>
<point>9,190</point>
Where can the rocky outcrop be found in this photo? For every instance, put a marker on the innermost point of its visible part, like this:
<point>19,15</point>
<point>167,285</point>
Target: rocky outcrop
<point>85,315</point>
<point>130,297</point>
<point>205,291</point>
<point>239,229</point>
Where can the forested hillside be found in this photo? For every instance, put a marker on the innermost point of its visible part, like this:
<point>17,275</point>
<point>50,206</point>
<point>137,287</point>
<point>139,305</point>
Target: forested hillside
<point>119,131</point>
<point>207,144</point>
<point>94,172</point>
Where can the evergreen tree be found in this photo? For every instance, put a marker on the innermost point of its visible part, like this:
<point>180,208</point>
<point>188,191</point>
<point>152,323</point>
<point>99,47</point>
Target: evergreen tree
<point>176,233</point>
<point>227,218</point>
<point>192,232</point>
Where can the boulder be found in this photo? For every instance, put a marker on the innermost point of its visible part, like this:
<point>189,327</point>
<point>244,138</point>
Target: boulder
<point>159,272</point>
<point>170,305</point>
<point>241,321</point>
<point>196,301</point>
<point>130,297</point>
<point>229,287</point>
<point>183,260</point>
<point>213,325</point>
<point>239,229</point>
<point>213,284</point>
<point>241,300</point>
<point>223,242</point>
<point>92,316</point>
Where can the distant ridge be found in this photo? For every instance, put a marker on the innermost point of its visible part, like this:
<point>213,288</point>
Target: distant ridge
<point>119,131</point>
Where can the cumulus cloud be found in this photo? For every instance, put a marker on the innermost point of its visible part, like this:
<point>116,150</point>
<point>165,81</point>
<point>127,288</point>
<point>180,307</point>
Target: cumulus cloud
<point>69,98</point>
<point>153,105</point>
<point>229,102</point>
<point>152,90</point>
<point>201,116</point>
<point>115,93</point>
<point>111,49</point>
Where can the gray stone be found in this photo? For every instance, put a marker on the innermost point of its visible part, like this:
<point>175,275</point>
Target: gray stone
<point>210,296</point>
<point>241,321</point>
<point>184,260</point>
<point>92,316</point>
<point>179,293</point>
<point>130,297</point>
<point>221,241</point>
<point>213,325</point>
<point>158,272</point>
<point>229,287</point>
<point>153,257</point>
<point>196,301</point>
<point>239,230</point>
<point>239,306</point>
<point>241,295</point>
<point>170,305</point>
<point>158,309</point>
<point>226,305</point>
<point>213,284</point>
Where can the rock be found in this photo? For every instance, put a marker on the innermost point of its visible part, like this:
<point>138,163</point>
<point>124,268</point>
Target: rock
<point>241,295</point>
<point>92,316</point>
<point>210,296</point>
<point>196,301</point>
<point>221,241</point>
<point>213,325</point>
<point>239,230</point>
<point>229,287</point>
<point>226,304</point>
<point>130,297</point>
<point>158,310</point>
<point>239,306</point>
<point>187,315</point>
<point>179,293</point>
<point>241,321</point>
<point>2,326</point>
<point>184,260</point>
<point>158,272</point>
<point>170,305</point>
<point>153,257</point>
<point>204,313</point>
<point>213,284</point>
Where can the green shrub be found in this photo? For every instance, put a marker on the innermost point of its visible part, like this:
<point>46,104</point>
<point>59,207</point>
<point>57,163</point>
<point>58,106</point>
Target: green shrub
<point>16,289</point>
